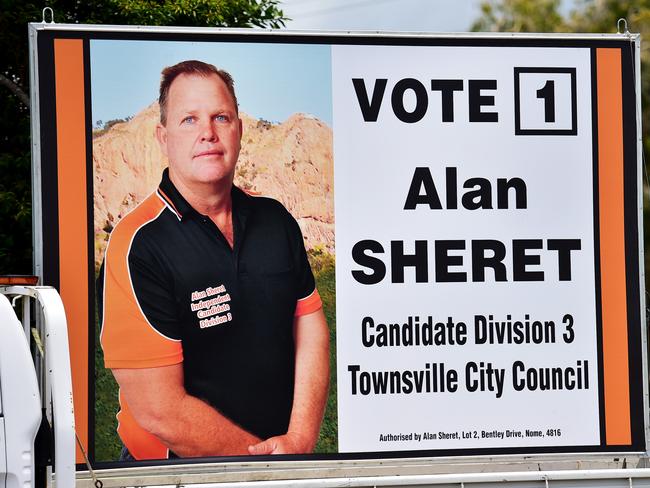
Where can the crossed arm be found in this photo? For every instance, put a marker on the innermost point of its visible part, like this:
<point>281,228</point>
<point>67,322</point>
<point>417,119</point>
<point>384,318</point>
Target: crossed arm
<point>190,427</point>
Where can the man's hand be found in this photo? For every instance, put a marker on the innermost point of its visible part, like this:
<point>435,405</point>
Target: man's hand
<point>289,443</point>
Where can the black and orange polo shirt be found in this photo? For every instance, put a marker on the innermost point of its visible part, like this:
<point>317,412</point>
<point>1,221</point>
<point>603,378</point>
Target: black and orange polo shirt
<point>173,290</point>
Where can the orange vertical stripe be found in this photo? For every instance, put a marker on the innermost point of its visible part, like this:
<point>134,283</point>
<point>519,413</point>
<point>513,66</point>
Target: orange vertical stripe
<point>612,248</point>
<point>73,219</point>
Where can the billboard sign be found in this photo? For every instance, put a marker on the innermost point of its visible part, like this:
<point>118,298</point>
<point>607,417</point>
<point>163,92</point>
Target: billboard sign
<point>469,208</point>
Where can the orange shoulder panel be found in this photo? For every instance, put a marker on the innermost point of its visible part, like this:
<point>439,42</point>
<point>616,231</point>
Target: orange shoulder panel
<point>127,338</point>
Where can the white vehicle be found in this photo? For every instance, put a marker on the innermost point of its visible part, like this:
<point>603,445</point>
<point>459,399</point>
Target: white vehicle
<point>29,387</point>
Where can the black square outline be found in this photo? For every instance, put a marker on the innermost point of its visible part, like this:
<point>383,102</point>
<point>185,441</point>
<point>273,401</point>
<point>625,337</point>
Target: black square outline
<point>573,131</point>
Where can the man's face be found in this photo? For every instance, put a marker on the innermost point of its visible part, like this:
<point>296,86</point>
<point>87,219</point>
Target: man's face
<point>202,135</point>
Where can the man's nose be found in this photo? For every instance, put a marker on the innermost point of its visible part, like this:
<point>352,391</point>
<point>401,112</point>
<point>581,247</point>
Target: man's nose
<point>208,131</point>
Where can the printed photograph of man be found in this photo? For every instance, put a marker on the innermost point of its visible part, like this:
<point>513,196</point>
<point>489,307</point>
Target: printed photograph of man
<point>211,321</point>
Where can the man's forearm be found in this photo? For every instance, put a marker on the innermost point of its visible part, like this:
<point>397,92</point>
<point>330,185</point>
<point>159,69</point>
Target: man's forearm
<point>185,424</point>
<point>311,337</point>
<point>311,377</point>
<point>197,429</point>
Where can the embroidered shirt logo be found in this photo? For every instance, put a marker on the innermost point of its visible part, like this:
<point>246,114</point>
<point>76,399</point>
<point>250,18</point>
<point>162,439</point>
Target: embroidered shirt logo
<point>211,306</point>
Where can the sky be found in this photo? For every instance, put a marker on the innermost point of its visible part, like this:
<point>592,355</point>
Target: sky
<point>382,15</point>
<point>272,80</point>
<point>386,15</point>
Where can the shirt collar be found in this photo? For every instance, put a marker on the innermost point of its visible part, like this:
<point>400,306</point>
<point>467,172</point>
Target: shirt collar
<point>241,201</point>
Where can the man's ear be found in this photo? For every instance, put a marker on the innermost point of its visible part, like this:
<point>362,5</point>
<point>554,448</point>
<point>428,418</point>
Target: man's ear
<point>161,137</point>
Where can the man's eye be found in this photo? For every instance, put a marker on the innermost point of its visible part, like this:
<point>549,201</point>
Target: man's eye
<point>188,120</point>
<point>221,118</point>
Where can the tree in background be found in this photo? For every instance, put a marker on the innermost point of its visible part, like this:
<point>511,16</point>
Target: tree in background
<point>520,16</point>
<point>15,160</point>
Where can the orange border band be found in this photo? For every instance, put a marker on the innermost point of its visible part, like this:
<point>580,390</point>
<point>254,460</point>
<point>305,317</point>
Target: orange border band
<point>616,377</point>
<point>73,218</point>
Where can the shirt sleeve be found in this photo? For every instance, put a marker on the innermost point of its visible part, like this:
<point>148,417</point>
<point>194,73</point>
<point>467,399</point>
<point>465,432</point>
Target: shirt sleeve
<point>308,299</point>
<point>139,323</point>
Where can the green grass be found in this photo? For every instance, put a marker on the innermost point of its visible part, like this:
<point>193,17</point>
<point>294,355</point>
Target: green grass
<point>323,266</point>
<point>107,443</point>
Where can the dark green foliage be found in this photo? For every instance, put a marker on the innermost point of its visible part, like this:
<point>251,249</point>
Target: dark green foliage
<point>519,16</point>
<point>15,162</point>
<point>15,187</point>
<point>15,174</point>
